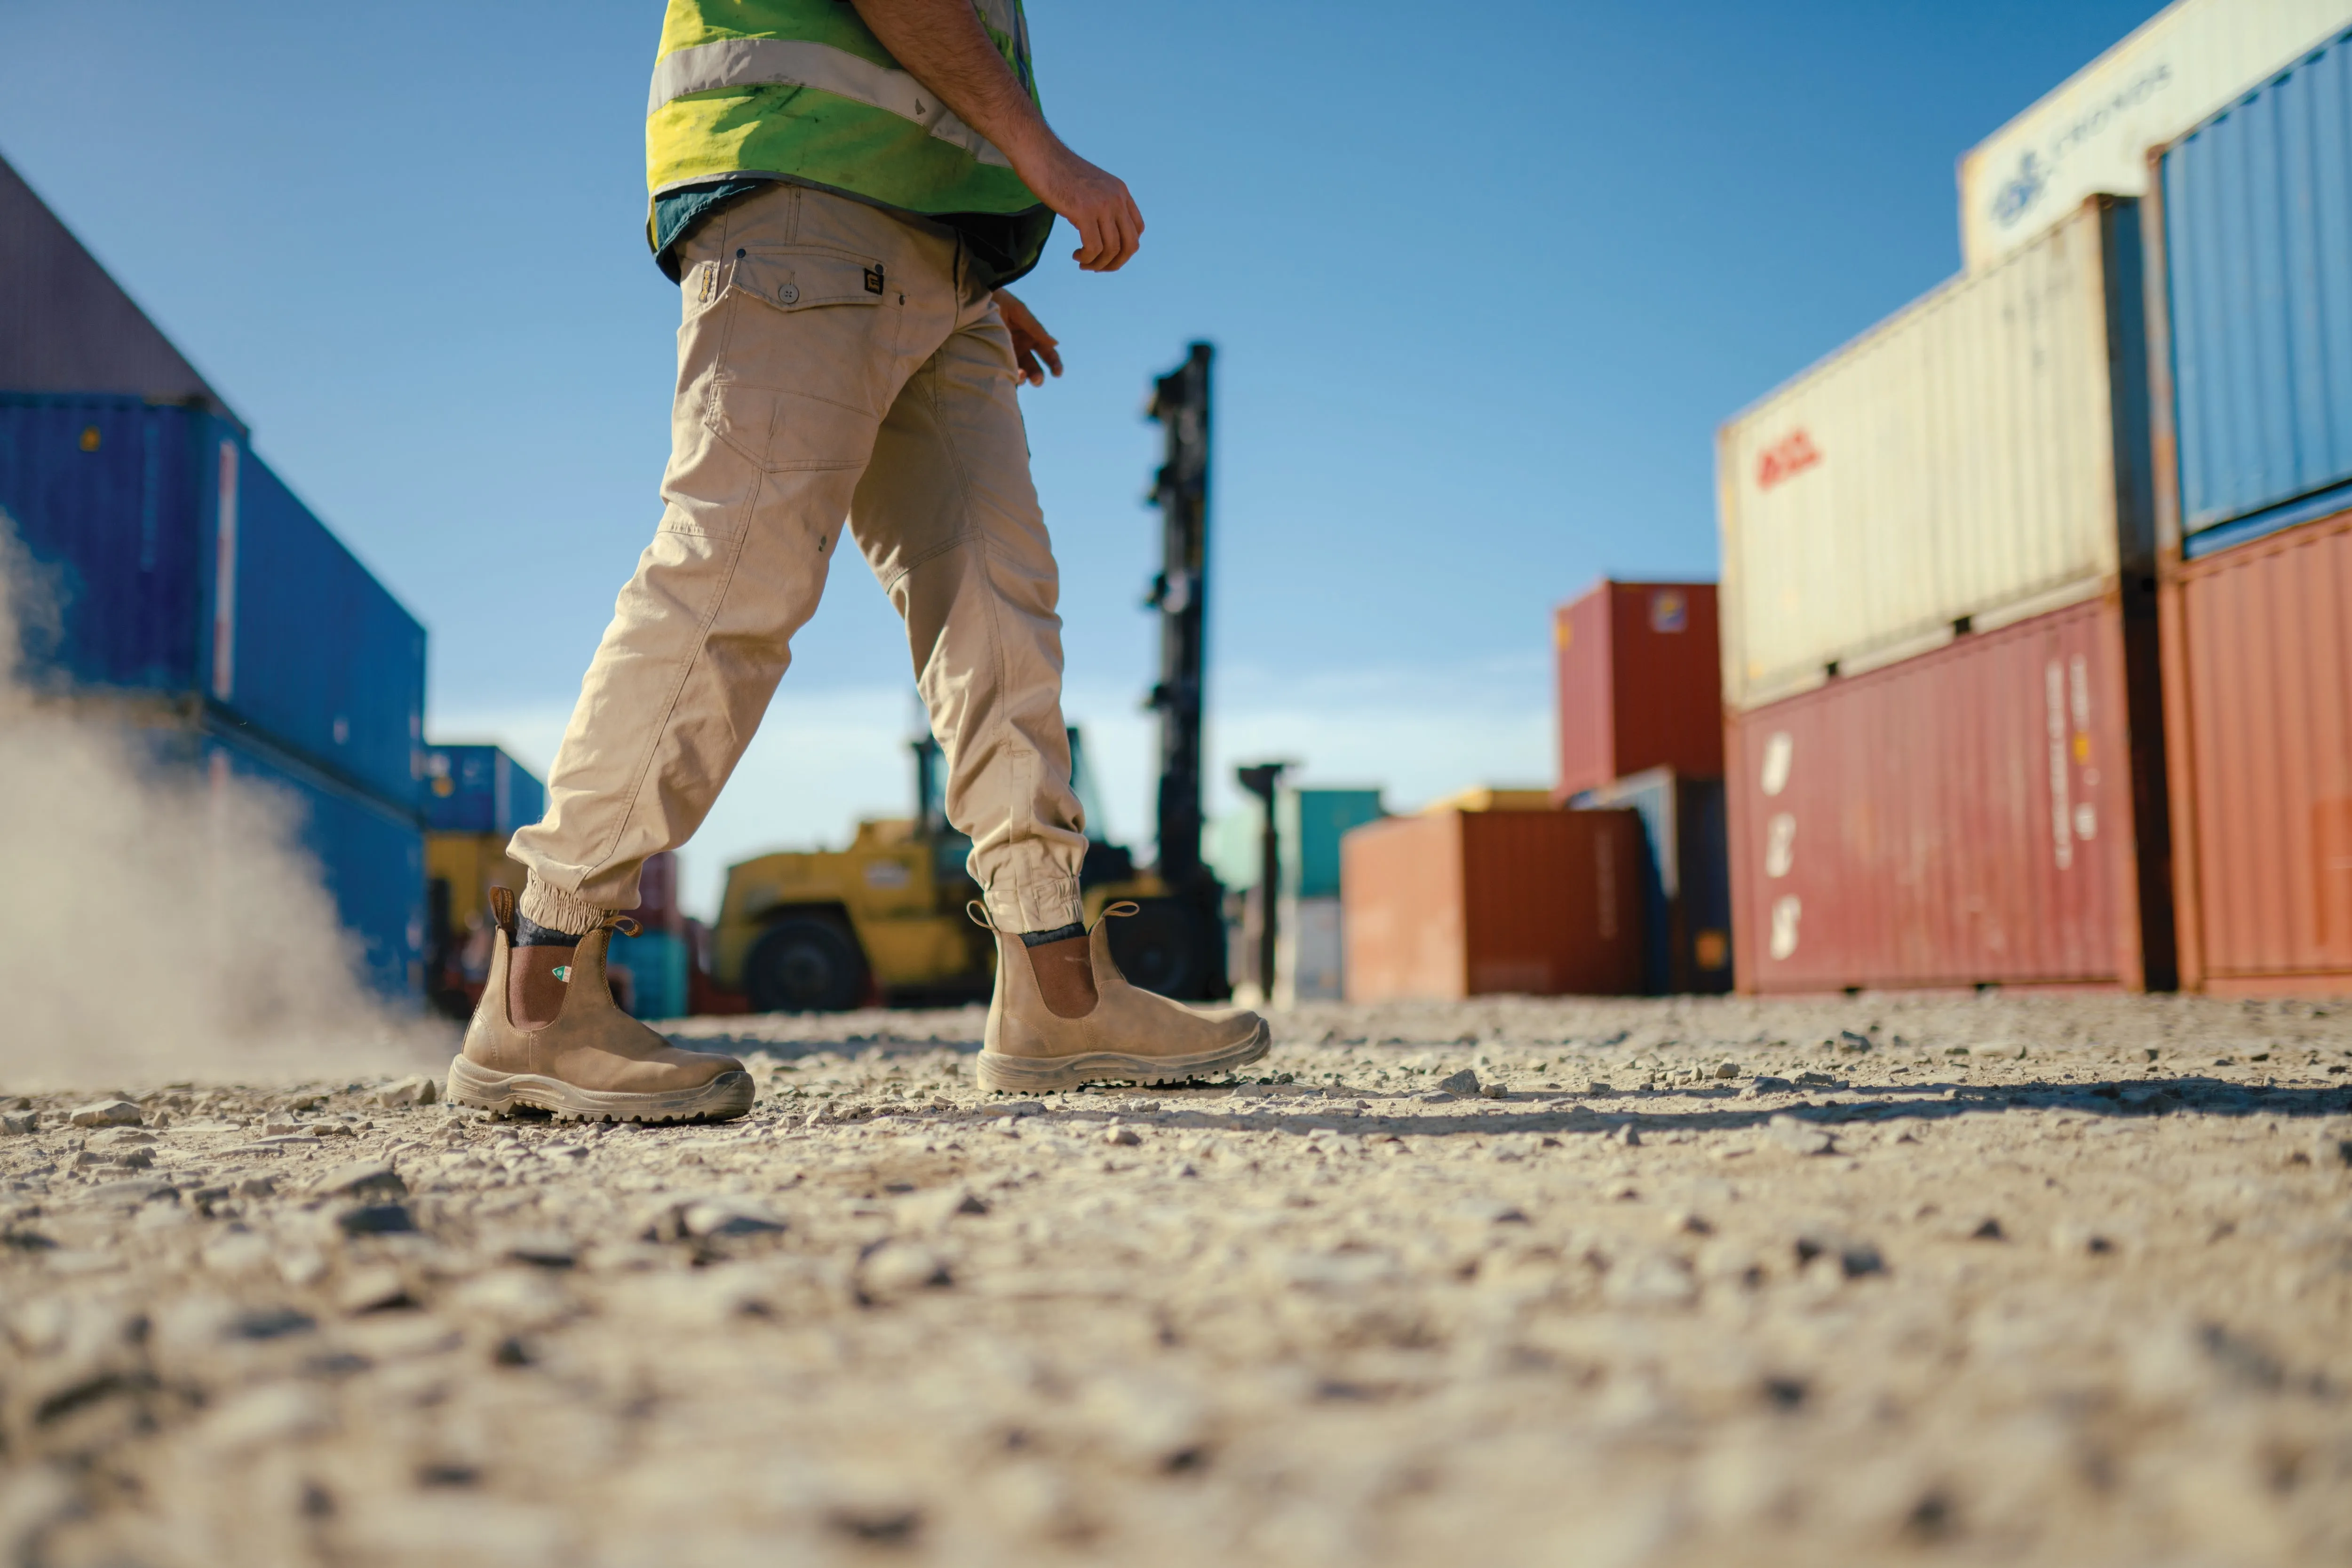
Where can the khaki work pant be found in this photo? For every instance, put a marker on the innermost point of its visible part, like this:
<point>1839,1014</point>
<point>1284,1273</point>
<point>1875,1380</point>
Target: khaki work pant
<point>833,362</point>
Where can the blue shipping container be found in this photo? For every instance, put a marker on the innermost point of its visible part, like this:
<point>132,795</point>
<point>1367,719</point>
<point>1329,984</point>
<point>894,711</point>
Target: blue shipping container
<point>479,789</point>
<point>2256,280</point>
<point>185,569</point>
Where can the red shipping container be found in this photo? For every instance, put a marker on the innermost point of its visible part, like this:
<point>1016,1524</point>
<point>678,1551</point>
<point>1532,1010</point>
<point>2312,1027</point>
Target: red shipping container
<point>1967,817</point>
<point>2258,687</point>
<point>1456,903</point>
<point>1640,683</point>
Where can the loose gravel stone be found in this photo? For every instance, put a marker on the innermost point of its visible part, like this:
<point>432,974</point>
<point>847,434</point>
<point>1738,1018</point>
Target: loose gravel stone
<point>2078,1305</point>
<point>105,1113</point>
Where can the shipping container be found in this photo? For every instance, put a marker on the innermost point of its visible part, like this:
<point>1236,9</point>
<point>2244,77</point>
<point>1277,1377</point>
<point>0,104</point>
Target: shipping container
<point>184,570</point>
<point>66,327</point>
<point>649,974</point>
<point>1639,674</point>
<point>1990,813</point>
<point>1452,903</point>
<point>1310,951</point>
<point>479,789</point>
<point>460,869</point>
<point>2250,284</point>
<point>1686,873</point>
<point>1309,826</point>
<point>2090,135</point>
<point>2250,317</point>
<point>2258,660</point>
<point>1979,459</point>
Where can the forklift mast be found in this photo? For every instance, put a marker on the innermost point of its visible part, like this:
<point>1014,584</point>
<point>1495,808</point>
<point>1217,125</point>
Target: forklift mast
<point>1179,402</point>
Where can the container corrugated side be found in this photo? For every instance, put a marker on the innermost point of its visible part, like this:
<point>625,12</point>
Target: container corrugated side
<point>2258,653</point>
<point>104,494</point>
<point>2090,135</point>
<point>1980,457</point>
<point>2256,224</point>
<point>1638,676</point>
<point>325,658</point>
<point>1446,904</point>
<point>1990,813</point>
<point>183,570</point>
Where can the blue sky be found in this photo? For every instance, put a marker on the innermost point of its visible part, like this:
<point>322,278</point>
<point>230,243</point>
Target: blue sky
<point>1483,284</point>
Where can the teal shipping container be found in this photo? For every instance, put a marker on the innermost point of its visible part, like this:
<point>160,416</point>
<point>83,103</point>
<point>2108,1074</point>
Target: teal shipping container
<point>650,970</point>
<point>1310,824</point>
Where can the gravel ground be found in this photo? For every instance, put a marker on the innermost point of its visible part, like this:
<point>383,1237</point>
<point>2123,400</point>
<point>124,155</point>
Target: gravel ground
<point>2056,1279</point>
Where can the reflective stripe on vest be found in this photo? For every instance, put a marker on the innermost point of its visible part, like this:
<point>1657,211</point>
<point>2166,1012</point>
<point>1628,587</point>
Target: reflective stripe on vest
<point>797,62</point>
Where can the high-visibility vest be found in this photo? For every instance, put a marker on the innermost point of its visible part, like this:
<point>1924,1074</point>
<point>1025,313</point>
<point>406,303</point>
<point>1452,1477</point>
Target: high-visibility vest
<point>801,89</point>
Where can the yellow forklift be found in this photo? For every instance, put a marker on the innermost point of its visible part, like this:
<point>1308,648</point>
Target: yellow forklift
<point>883,921</point>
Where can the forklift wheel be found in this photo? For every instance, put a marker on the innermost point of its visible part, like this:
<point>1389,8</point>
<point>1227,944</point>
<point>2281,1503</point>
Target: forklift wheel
<point>804,964</point>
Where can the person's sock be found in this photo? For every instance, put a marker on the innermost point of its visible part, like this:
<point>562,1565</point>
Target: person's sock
<point>538,970</point>
<point>1063,961</point>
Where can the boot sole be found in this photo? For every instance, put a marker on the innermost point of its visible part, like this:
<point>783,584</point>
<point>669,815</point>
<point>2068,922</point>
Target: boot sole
<point>1044,1074</point>
<point>722,1099</point>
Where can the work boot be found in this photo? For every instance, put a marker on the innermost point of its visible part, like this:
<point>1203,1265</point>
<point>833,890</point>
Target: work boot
<point>1129,1034</point>
<point>594,1062</point>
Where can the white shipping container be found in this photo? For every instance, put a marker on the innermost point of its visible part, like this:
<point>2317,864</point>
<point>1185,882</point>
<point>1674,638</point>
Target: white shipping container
<point>2090,136</point>
<point>1309,950</point>
<point>1958,463</point>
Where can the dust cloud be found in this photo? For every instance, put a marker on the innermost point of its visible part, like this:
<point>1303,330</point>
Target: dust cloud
<point>160,926</point>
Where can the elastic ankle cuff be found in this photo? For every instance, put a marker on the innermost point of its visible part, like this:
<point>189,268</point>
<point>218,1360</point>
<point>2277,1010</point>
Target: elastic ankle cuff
<point>1038,906</point>
<point>554,910</point>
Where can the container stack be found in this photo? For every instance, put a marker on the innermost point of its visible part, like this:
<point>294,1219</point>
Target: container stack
<point>199,603</point>
<point>1939,653</point>
<point>2032,661</point>
<point>475,797</point>
<point>1641,726</point>
<point>2250,283</point>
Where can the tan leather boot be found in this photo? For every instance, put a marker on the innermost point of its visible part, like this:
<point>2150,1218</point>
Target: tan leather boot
<point>1130,1034</point>
<point>594,1062</point>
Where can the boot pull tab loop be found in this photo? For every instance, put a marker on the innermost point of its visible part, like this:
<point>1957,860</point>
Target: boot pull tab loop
<point>502,909</point>
<point>621,923</point>
<point>1118,910</point>
<point>977,912</point>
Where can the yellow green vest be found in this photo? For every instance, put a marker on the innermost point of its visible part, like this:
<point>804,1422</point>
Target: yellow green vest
<point>799,89</point>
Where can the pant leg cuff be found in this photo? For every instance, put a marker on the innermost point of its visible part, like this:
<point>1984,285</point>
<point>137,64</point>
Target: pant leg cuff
<point>1039,906</point>
<point>558,909</point>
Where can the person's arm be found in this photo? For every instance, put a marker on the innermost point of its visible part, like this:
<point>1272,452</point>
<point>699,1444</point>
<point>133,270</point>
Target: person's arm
<point>943,46</point>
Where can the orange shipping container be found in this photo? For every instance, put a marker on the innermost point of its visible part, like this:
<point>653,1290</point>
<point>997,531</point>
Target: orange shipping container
<point>1639,681</point>
<point>2258,688</point>
<point>1457,904</point>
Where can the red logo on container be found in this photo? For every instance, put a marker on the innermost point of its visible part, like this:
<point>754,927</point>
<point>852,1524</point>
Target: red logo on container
<point>1785,459</point>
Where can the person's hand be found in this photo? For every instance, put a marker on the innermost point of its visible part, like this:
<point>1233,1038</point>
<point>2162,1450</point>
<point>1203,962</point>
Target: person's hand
<point>1095,201</point>
<point>1031,342</point>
